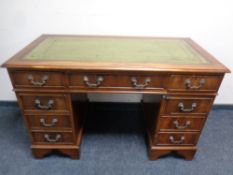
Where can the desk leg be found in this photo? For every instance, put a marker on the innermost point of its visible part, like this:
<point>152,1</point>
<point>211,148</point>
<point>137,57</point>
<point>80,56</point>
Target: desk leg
<point>73,153</point>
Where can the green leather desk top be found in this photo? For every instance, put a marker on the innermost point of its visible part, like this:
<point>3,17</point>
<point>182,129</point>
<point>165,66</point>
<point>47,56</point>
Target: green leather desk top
<point>112,53</point>
<point>110,49</point>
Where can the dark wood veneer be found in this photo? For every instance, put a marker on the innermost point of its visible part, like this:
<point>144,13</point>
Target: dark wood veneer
<point>48,122</point>
<point>189,138</point>
<point>174,125</point>
<point>181,123</point>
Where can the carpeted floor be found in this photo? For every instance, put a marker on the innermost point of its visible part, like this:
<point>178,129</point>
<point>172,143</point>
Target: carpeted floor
<point>114,143</point>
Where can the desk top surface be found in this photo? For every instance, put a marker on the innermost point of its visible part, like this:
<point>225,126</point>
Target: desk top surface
<point>115,53</point>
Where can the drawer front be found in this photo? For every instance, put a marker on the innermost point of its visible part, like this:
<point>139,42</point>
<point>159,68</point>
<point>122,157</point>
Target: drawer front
<point>181,123</point>
<point>49,122</point>
<point>185,106</point>
<point>37,79</point>
<point>52,138</point>
<point>194,83</point>
<point>179,139</point>
<point>92,80</point>
<point>44,103</point>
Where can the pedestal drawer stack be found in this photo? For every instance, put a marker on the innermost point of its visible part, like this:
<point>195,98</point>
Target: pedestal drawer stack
<point>49,116</point>
<point>182,117</point>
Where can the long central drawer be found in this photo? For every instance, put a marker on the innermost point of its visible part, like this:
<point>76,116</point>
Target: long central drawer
<point>125,81</point>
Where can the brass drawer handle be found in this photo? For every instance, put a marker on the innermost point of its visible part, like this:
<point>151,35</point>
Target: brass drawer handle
<point>46,107</point>
<point>98,81</point>
<point>183,109</point>
<point>172,140</point>
<point>43,81</point>
<point>188,84</point>
<point>53,122</point>
<point>140,86</point>
<point>177,125</point>
<point>55,139</point>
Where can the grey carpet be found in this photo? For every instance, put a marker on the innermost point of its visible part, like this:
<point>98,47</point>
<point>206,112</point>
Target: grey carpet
<point>114,143</point>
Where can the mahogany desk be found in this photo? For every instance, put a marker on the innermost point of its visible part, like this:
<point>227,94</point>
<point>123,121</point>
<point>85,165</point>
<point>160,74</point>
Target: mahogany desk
<point>52,76</point>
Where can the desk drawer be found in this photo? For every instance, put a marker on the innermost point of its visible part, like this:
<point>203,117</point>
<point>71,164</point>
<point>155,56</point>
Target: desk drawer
<point>49,122</point>
<point>167,123</point>
<point>125,81</point>
<point>179,139</point>
<point>37,79</point>
<point>52,137</point>
<point>187,105</point>
<point>194,83</point>
<point>44,103</point>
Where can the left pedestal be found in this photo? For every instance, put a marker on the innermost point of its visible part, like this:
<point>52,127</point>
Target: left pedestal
<point>55,122</point>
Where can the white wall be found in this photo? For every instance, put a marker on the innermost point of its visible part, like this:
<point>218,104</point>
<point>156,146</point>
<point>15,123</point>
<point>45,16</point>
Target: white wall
<point>209,22</point>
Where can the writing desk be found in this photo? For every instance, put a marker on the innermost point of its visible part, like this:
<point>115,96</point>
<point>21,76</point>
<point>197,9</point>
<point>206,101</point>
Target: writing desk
<point>53,74</point>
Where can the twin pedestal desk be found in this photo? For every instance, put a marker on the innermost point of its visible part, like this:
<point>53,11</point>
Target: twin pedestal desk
<point>53,75</point>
